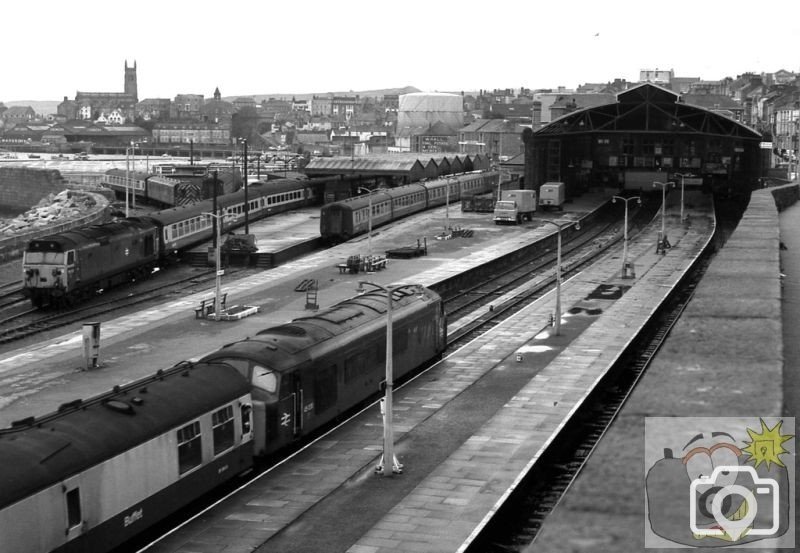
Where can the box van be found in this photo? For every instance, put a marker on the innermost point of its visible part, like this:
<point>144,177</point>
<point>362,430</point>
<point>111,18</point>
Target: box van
<point>514,206</point>
<point>551,195</point>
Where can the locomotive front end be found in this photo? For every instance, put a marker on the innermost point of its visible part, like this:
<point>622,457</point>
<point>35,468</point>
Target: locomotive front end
<point>48,271</point>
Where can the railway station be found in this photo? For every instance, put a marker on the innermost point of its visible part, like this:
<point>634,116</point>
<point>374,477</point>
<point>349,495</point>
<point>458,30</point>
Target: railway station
<point>476,427</point>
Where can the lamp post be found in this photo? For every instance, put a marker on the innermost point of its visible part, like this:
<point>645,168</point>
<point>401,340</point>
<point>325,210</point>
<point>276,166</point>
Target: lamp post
<point>388,432</point>
<point>625,231</point>
<point>683,176</point>
<point>369,219</point>
<point>447,203</point>
<point>219,218</point>
<point>663,186</point>
<point>246,202</point>
<point>563,225</point>
<point>127,179</point>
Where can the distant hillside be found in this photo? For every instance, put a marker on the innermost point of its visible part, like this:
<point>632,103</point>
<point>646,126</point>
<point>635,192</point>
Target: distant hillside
<point>42,107</point>
<point>45,107</point>
<point>307,96</point>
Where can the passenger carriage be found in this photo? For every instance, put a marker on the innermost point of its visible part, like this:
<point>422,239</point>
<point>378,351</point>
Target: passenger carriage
<point>98,472</point>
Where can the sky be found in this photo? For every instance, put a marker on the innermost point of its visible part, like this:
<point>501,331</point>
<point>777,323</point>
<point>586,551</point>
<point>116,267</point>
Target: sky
<point>314,46</point>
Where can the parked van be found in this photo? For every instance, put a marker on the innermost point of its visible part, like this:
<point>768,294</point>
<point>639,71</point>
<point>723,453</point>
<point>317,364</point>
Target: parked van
<point>514,206</point>
<point>551,195</point>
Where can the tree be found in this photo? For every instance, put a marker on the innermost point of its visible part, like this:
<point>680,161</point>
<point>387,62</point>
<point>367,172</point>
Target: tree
<point>244,123</point>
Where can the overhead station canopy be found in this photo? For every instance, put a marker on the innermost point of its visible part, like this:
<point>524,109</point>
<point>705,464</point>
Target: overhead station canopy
<point>648,131</point>
<point>648,108</point>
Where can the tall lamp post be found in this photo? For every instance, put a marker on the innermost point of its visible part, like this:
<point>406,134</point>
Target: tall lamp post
<point>447,203</point>
<point>127,179</point>
<point>625,231</point>
<point>388,432</point>
<point>663,186</point>
<point>128,152</point>
<point>369,219</point>
<point>683,176</point>
<point>560,226</point>
<point>246,202</point>
<point>219,218</point>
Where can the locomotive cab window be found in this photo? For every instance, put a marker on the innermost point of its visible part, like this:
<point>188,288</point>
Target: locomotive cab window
<point>262,378</point>
<point>45,258</point>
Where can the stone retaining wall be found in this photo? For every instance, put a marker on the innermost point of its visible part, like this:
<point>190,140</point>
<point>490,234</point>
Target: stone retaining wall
<point>23,187</point>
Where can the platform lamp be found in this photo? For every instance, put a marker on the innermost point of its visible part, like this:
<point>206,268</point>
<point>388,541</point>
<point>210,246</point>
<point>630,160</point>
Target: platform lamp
<point>663,186</point>
<point>683,176</point>
<point>246,202</point>
<point>388,432</point>
<point>447,203</point>
<point>625,231</point>
<point>218,218</point>
<point>369,219</point>
<point>560,226</point>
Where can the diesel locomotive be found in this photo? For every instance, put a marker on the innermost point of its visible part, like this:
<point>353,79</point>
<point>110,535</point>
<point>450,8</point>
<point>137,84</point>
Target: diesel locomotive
<point>74,265</point>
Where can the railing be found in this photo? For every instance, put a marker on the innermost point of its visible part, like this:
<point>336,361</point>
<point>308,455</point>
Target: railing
<point>123,182</point>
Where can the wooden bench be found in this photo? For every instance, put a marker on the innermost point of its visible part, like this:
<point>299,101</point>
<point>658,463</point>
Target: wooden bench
<point>376,264</point>
<point>206,306</point>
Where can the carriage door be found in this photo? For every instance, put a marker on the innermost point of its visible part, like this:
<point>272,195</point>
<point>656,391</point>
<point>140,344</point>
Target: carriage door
<point>290,407</point>
<point>334,222</point>
<point>297,404</point>
<point>71,276</point>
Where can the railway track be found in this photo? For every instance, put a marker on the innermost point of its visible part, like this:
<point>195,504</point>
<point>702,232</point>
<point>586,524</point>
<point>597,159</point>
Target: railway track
<point>34,321</point>
<point>533,277</point>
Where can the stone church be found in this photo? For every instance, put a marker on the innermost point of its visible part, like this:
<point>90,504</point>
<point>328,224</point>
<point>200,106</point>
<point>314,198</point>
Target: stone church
<point>104,105</point>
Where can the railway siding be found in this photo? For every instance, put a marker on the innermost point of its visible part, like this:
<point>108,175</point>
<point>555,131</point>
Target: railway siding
<point>722,359</point>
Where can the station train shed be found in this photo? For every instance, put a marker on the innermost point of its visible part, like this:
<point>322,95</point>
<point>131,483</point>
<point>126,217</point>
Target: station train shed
<point>647,135</point>
<point>345,173</point>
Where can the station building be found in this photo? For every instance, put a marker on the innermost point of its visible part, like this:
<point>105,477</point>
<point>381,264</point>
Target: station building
<point>648,134</point>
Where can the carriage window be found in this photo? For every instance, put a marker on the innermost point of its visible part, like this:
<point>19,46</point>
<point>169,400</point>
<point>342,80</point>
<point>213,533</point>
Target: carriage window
<point>73,508</point>
<point>190,451</point>
<point>222,422</point>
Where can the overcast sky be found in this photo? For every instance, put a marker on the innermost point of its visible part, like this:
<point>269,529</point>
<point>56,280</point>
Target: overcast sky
<point>52,49</point>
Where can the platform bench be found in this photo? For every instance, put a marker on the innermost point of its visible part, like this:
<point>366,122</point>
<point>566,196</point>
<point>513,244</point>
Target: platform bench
<point>206,307</point>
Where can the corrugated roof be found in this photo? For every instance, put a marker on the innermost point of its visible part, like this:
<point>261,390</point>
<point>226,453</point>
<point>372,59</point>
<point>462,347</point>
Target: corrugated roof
<point>344,164</point>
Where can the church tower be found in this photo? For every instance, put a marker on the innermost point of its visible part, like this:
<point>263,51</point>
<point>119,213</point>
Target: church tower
<point>130,81</point>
